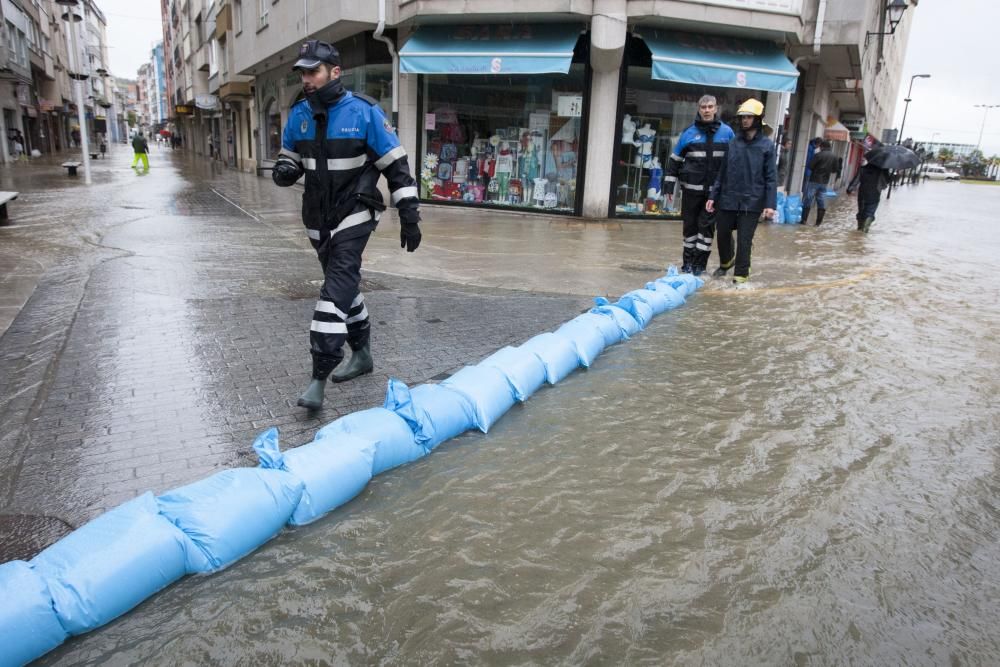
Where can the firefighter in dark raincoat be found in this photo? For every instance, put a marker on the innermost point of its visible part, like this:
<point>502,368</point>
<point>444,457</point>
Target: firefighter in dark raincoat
<point>745,189</point>
<point>342,143</point>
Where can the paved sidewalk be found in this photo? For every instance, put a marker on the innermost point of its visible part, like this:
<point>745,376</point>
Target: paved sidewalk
<point>158,322</point>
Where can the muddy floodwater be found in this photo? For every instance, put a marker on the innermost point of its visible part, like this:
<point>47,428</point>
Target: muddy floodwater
<point>803,473</point>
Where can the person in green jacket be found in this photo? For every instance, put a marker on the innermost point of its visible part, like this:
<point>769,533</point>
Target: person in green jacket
<point>141,148</point>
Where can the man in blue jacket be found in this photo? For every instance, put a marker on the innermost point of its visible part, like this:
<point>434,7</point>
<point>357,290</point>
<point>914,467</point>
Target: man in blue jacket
<point>745,188</point>
<point>694,163</point>
<point>342,143</point>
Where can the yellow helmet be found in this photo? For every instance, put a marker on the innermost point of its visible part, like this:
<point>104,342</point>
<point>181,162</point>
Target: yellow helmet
<point>751,107</point>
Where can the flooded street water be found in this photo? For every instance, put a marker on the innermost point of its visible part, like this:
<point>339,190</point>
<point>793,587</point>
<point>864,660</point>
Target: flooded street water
<point>800,473</point>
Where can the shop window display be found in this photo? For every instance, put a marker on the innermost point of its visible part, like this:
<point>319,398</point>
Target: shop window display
<point>502,140</point>
<point>655,113</point>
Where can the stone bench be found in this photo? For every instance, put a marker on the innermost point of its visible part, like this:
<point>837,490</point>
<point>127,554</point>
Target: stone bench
<point>4,198</point>
<point>71,167</point>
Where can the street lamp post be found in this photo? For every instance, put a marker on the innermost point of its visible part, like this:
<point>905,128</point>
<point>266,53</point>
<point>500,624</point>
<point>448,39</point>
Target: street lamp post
<point>906,108</point>
<point>78,78</point>
<point>986,109</point>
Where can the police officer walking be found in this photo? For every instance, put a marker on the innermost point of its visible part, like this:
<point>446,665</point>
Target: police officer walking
<point>694,163</point>
<point>342,142</point>
<point>745,188</point>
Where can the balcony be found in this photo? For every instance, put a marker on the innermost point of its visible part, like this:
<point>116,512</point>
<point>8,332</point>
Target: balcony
<point>200,60</point>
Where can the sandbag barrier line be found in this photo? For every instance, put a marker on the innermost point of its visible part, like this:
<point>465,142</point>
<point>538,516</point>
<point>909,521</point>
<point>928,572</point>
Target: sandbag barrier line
<point>109,565</point>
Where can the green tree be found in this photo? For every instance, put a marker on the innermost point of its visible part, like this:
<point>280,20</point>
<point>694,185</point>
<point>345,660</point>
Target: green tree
<point>946,155</point>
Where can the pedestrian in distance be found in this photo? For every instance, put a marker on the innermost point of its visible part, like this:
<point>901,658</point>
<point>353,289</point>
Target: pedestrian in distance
<point>342,143</point>
<point>693,164</point>
<point>17,148</point>
<point>822,165</point>
<point>869,181</point>
<point>141,148</point>
<point>744,189</point>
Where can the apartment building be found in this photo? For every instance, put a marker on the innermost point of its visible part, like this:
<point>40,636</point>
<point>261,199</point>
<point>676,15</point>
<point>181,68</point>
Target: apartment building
<point>37,64</point>
<point>562,106</point>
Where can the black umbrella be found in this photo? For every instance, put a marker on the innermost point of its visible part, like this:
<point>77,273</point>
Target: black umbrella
<point>893,157</point>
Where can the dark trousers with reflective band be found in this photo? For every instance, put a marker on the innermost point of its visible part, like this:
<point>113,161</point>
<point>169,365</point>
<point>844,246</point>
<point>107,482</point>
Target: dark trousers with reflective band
<point>745,224</point>
<point>340,312</point>
<point>699,229</point>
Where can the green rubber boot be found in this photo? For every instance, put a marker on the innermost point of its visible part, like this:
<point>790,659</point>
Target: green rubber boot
<point>360,363</point>
<point>867,224</point>
<point>312,399</point>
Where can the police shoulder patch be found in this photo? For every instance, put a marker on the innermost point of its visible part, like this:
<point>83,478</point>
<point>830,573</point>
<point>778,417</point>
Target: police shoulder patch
<point>388,126</point>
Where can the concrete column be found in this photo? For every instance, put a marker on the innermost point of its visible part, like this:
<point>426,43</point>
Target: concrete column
<point>805,128</point>
<point>608,31</point>
<point>409,124</point>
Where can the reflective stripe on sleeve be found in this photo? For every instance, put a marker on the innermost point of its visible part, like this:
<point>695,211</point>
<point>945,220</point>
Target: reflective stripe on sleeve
<point>390,157</point>
<point>676,157</point>
<point>696,154</point>
<point>309,163</point>
<point>313,234</point>
<point>689,186</point>
<point>404,193</point>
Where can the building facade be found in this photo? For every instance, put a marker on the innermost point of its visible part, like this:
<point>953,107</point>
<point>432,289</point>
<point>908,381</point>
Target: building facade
<point>37,70</point>
<point>562,106</point>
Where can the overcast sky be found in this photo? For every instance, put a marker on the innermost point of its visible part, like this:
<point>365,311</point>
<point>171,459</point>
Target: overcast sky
<point>955,41</point>
<point>134,26</point>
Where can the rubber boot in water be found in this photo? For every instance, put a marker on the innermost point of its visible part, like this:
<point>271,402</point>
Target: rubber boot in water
<point>820,214</point>
<point>805,215</point>
<point>866,225</point>
<point>360,363</point>
<point>312,399</point>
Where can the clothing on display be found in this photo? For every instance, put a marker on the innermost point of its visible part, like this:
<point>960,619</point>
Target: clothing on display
<point>503,146</point>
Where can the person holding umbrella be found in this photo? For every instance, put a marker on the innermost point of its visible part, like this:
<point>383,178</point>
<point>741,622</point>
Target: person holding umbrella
<point>873,177</point>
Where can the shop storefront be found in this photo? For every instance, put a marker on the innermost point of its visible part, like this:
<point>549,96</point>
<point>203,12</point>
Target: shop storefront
<point>501,114</point>
<point>664,75</point>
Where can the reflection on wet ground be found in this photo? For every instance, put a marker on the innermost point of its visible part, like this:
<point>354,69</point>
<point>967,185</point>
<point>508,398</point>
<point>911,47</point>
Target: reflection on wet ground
<point>801,473</point>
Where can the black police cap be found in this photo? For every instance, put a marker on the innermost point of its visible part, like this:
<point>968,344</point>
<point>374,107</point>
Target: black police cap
<point>314,52</point>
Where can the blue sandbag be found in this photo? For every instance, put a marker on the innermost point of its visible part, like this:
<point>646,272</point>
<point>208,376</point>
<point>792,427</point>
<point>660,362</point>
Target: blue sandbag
<point>779,210</point>
<point>655,300</point>
<point>606,324</point>
<point>587,338</point>
<point>487,389</point>
<point>104,568</point>
<point>29,627</point>
<point>231,513</point>
<point>395,443</point>
<point>626,323</point>
<point>641,311</point>
<point>672,295</point>
<point>793,209</point>
<point>333,470</point>
<point>557,354</point>
<point>684,282</point>
<point>523,369</point>
<point>434,413</point>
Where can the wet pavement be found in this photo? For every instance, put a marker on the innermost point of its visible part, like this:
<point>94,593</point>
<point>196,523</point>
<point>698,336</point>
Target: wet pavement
<point>800,473</point>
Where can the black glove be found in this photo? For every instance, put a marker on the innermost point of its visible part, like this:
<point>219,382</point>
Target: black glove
<point>409,236</point>
<point>285,174</point>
